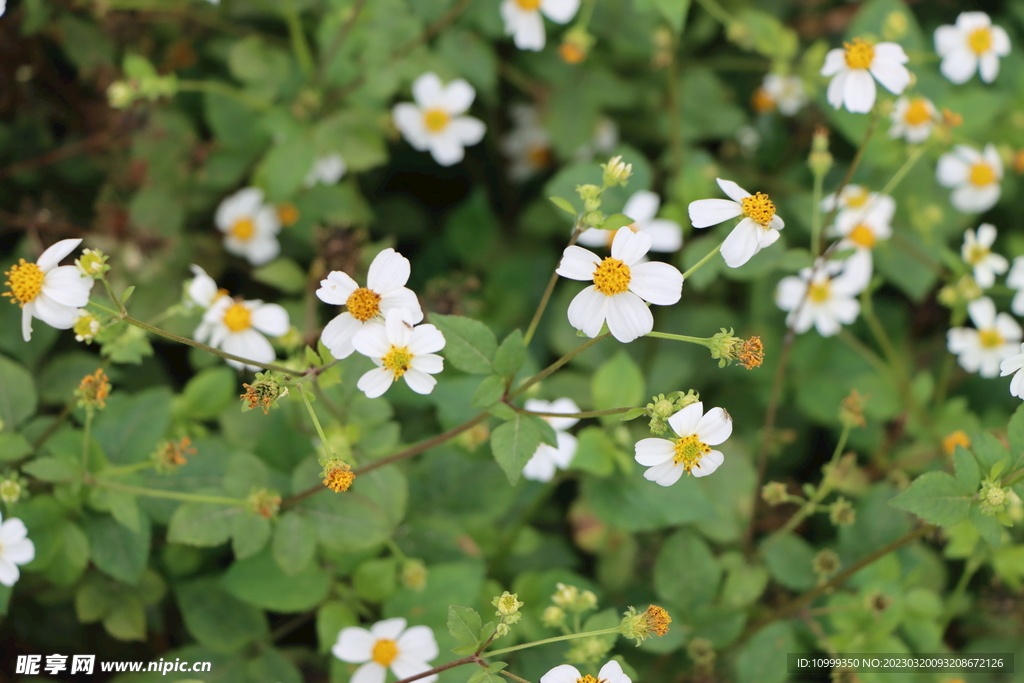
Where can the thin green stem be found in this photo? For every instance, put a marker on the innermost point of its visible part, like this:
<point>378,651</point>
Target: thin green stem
<point>316,422</point>
<point>113,297</point>
<point>702,341</point>
<point>158,493</point>
<point>339,39</point>
<point>700,264</point>
<point>556,365</point>
<point>1014,479</point>
<point>873,359</point>
<point>224,90</point>
<point>127,469</point>
<point>300,45</point>
<point>86,437</point>
<point>717,11</point>
<point>586,413</point>
<point>816,217</point>
<point>956,319</point>
<point>546,297</point>
<point>903,170</point>
<point>853,165</point>
<point>555,639</point>
<point>109,311</point>
<point>513,676</point>
<point>973,565</point>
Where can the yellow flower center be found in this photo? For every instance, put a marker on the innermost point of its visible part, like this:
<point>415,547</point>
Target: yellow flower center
<point>863,237</point>
<point>539,156</point>
<point>288,214</point>
<point>689,451</point>
<point>762,101</point>
<point>571,53</point>
<point>859,54</point>
<point>976,253</point>
<point>528,5</point>
<point>819,291</point>
<point>243,229</point>
<point>436,120</point>
<point>385,651</point>
<point>398,360</point>
<point>612,277</point>
<point>990,338</point>
<point>238,318</point>
<point>590,679</point>
<point>86,328</point>
<point>363,304</point>
<point>917,112</point>
<point>980,40</point>
<point>759,208</point>
<point>982,174</point>
<point>340,479</point>
<point>25,280</point>
<point>954,439</point>
<point>857,198</point>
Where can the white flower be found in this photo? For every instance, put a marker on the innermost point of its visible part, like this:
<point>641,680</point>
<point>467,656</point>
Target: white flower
<point>201,290</point>
<point>993,339</point>
<point>385,289</point>
<point>399,350</point>
<point>825,295</point>
<point>3,7</point>
<point>973,44</point>
<point>913,119</point>
<point>388,643</point>
<point>973,175</point>
<point>862,228</point>
<point>527,145</point>
<point>621,286</point>
<point>1015,280</point>
<point>15,549</point>
<point>977,253</point>
<point>691,451</point>
<point>435,122</point>
<point>546,459</point>
<point>250,227</point>
<point>48,291</point>
<point>642,207</point>
<point>786,93</point>
<point>857,197</point>
<point>758,229</point>
<point>237,327</point>
<point>524,23</point>
<point>610,673</point>
<point>852,68</point>
<point>1013,366</point>
<point>327,170</point>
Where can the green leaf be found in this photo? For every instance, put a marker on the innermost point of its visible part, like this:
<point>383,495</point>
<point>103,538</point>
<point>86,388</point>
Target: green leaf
<point>634,504</point>
<point>72,558</point>
<point>283,169</point>
<point>259,581</point>
<point>93,599</point>
<point>490,391</point>
<point>632,414</point>
<point>513,444</point>
<point>968,474</point>
<point>53,469</point>
<point>762,659</point>
<point>207,394</point>
<point>1015,435</point>
<point>502,411</point>
<point>116,550</point>
<point>217,619</point>
<point>617,382</point>
<point>122,505</point>
<point>17,393</point>
<point>294,543</point>
<point>596,452</point>
<point>564,205</point>
<point>469,344</point>
<point>936,497</point>
<point>13,447</point>
<point>355,135</point>
<point>544,428</point>
<point>282,273</point>
<point>124,343</point>
<point>686,572</point>
<point>464,624</point>
<point>376,579</point>
<point>988,449</point>
<point>127,294</point>
<point>790,560</point>
<point>330,619</point>
<point>616,221</point>
<point>511,355</point>
<point>988,526</point>
<point>132,425</point>
<point>127,619</point>
<point>249,534</point>
<point>202,524</point>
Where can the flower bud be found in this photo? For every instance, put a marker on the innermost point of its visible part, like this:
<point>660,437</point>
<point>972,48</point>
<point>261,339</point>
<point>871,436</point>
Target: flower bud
<point>565,596</point>
<point>10,491</point>
<point>616,172</point>
<point>820,159</point>
<point>264,503</point>
<point>120,95</point>
<point>993,497</point>
<point>774,493</point>
<point>414,574</point>
<point>575,45</point>
<point>86,326</point>
<point>93,263</point>
<point>895,26</point>
<point>826,563</point>
<point>553,616</point>
<point>508,604</point>
<point>640,626</point>
<point>841,513</point>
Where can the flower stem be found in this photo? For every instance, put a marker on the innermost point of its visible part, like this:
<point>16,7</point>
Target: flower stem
<point>127,469</point>
<point>547,292</point>
<point>717,11</point>
<point>703,341</point>
<point>224,90</point>
<point>819,182</point>
<point>159,493</point>
<point>86,438</point>
<point>587,413</point>
<point>316,422</point>
<point>554,639</point>
<point>1014,479</point>
<point>700,264</point>
<point>299,43</point>
<point>555,366</point>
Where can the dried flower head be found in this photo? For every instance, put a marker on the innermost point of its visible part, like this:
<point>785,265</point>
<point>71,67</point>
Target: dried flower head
<point>170,455</point>
<point>338,476</point>
<point>774,493</point>
<point>751,353</point>
<point>639,626</point>
<point>841,512</point>
<point>263,393</point>
<point>851,410</point>
<point>826,563</point>
<point>264,503</point>
<point>93,390</point>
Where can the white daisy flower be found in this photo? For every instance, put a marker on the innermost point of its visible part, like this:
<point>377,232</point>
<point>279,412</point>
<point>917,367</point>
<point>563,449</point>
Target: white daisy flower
<point>3,7</point>
<point>250,227</point>
<point>523,20</point>
<point>857,197</point>
<point>642,207</point>
<point>972,44</point>
<point>48,291</point>
<point>863,228</point>
<point>824,296</point>
<point>691,451</point>
<point>913,119</point>
<point>385,289</point>
<point>993,339</point>
<point>610,673</point>
<point>399,350</point>
<point>388,644</point>
<point>1015,280</point>
<point>621,286</point>
<point>435,121</point>
<point>1013,366</point>
<point>854,68</point>
<point>527,145</point>
<point>546,459</point>
<point>974,177</point>
<point>238,327</point>
<point>15,549</point>
<point>785,93</point>
<point>202,290</point>
<point>758,229</point>
<point>327,170</point>
<point>977,253</point>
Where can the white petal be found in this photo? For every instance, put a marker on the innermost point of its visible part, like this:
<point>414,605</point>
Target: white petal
<point>612,673</point>
<point>446,149</point>
<point>891,52</point>
<point>54,314</point>
<point>529,31</point>
<point>835,61</point>
<point>336,288</point>
<point>588,310</point>
<point>202,289</point>
<point>68,286</point>
<point>741,244</point>
<point>969,199</point>
<point>354,645</point>
<point>398,325</point>
<point>389,271</point>
<point>27,314</point>
<point>371,672</point>
<point>271,319</point>
<point>561,674</point>
<point>859,91</point>
<point>457,97</point>
<point>715,427</point>
<point>628,317</point>
<point>419,381</point>
<point>629,247</point>
<point>837,89</point>
<point>8,573</point>
<point>375,382</point>
<point>684,423</point>
<point>947,39</point>
<point>371,340</point>
<point>652,451</point>
<point>11,531</point>
<point>595,237</point>
<point>988,67</point>
<point>268,223</point>
<point>566,450</point>
<point>430,363</point>
<point>1017,385</point>
<point>578,263</point>
<point>49,259</point>
<point>666,235</point>
<point>708,212</point>
<point>667,474</point>
<point>893,76</point>
<point>19,552</point>
<point>561,405</point>
<point>959,65</point>
<point>418,642</point>
<point>560,11</point>
<point>642,207</point>
<point>656,282</point>
<point>1000,41</point>
<point>982,312</point>
<point>338,334</point>
<point>249,344</point>
<point>408,118</point>
<point>403,297</point>
<point>1008,327</point>
<point>791,291</point>
<point>952,170</point>
<point>425,339</point>
<point>405,666</point>
<point>262,251</point>
<point>732,190</point>
<point>540,466</point>
<point>708,464</point>
<point>428,90</point>
<point>467,130</point>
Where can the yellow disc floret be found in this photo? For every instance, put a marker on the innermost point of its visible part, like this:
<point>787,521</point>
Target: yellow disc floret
<point>917,112</point>
<point>612,277</point>
<point>976,253</point>
<point>339,479</point>
<point>436,120</point>
<point>528,5</point>
<point>759,208</point>
<point>243,229</point>
<point>980,40</point>
<point>862,236</point>
<point>990,338</point>
<point>590,679</point>
<point>238,318</point>
<point>398,360</point>
<point>954,439</point>
<point>26,282</point>
<point>288,214</point>
<point>385,651</point>
<point>981,174</point>
<point>363,304</point>
<point>819,291</point>
<point>689,451</point>
<point>859,54</point>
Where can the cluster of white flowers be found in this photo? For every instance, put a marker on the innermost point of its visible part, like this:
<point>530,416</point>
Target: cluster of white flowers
<point>380,321</point>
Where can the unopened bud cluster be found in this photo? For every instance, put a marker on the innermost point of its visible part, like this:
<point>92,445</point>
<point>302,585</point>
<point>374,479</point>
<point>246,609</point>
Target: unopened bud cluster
<point>572,599</point>
<point>820,159</point>
<point>264,503</point>
<point>665,406</point>
<point>11,490</point>
<point>726,348</point>
<point>616,172</point>
<point>774,493</point>
<point>508,605</point>
<point>841,512</point>
<point>961,293</point>
<point>994,498</point>
<point>93,263</point>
